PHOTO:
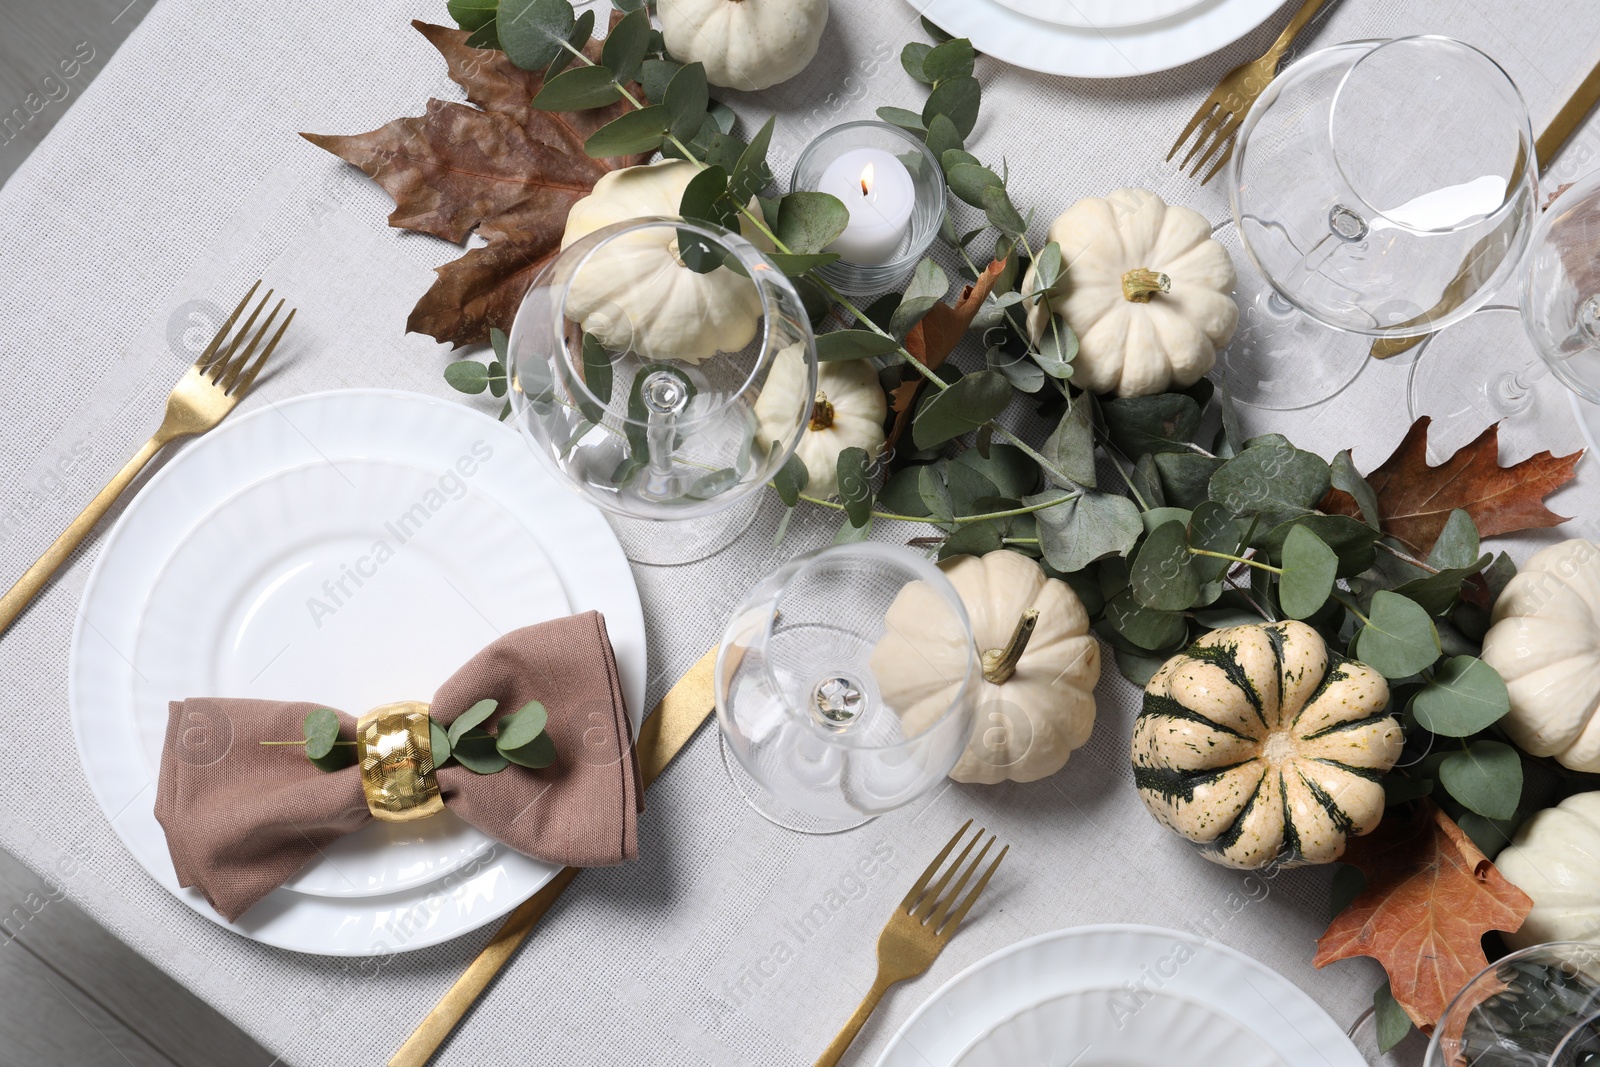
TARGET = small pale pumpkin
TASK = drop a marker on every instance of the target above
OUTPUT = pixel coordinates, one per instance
(1040, 666)
(1555, 859)
(744, 44)
(1259, 744)
(847, 411)
(635, 291)
(1545, 642)
(1146, 289)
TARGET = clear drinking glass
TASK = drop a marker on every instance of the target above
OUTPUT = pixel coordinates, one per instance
(1384, 188)
(1539, 1007)
(636, 359)
(845, 686)
(1561, 288)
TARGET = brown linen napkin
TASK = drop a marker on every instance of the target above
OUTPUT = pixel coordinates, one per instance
(241, 818)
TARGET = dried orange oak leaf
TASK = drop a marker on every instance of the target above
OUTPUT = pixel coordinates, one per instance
(496, 166)
(1431, 895)
(934, 337)
(1415, 500)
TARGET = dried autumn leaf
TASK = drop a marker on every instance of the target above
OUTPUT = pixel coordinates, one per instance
(1415, 500)
(934, 337)
(496, 166)
(1430, 897)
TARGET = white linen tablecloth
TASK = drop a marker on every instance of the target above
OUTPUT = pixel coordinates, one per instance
(179, 178)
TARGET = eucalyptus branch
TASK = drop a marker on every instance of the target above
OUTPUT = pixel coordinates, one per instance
(1406, 558)
(1237, 559)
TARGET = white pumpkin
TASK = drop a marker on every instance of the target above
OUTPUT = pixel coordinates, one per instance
(1260, 745)
(634, 292)
(1146, 289)
(1545, 642)
(1555, 859)
(744, 44)
(848, 411)
(1035, 703)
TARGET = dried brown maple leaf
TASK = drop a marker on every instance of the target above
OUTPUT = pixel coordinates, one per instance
(1431, 895)
(1415, 500)
(497, 166)
(934, 337)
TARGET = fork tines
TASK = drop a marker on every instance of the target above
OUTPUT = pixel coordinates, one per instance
(1221, 127)
(931, 904)
(221, 364)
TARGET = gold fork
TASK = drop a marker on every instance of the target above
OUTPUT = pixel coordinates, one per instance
(918, 931)
(1224, 110)
(206, 392)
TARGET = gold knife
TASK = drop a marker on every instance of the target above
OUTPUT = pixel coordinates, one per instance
(681, 712)
(1549, 143)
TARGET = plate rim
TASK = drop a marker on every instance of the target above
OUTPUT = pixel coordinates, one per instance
(498, 856)
(1140, 929)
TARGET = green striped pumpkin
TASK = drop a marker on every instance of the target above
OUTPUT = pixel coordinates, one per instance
(1260, 744)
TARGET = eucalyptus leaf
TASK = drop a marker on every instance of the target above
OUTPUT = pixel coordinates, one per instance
(1146, 628)
(1070, 446)
(952, 59)
(1391, 1020)
(1159, 516)
(438, 744)
(1084, 526)
(1047, 268)
(1347, 478)
(957, 99)
(752, 174)
(472, 14)
(321, 731)
(791, 479)
(485, 36)
(1214, 528)
(1490, 835)
(855, 486)
(808, 222)
(687, 96)
(532, 32)
(973, 539)
(961, 408)
(1274, 481)
(1185, 476)
(850, 534)
(927, 287)
(932, 30)
(906, 120)
(596, 378)
(1136, 667)
(470, 719)
(1309, 567)
(1002, 213)
(1161, 423)
(633, 132)
(1057, 349)
(968, 181)
(705, 199)
(476, 751)
(1438, 593)
(522, 726)
(1350, 539)
(853, 344)
(1162, 574)
(1457, 545)
(655, 75)
(1024, 374)
(911, 57)
(796, 266)
(467, 376)
(934, 493)
(535, 755)
(1008, 470)
(1485, 778)
(942, 136)
(1399, 639)
(626, 45)
(901, 493)
(1464, 696)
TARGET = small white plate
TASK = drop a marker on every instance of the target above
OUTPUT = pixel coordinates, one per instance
(1119, 1028)
(1097, 50)
(1100, 14)
(1141, 960)
(206, 584)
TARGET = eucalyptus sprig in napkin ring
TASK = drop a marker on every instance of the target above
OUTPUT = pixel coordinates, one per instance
(241, 819)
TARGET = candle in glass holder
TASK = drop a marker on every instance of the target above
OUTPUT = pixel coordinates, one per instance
(877, 191)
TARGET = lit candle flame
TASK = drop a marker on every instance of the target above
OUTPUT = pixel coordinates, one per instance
(866, 180)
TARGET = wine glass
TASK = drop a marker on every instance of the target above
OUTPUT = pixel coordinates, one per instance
(845, 686)
(635, 361)
(1539, 1007)
(1384, 189)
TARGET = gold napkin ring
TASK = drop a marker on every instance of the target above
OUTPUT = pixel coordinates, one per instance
(394, 749)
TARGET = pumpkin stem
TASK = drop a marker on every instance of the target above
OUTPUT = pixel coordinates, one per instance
(821, 412)
(999, 664)
(1140, 284)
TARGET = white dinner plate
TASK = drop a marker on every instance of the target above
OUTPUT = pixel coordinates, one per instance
(1143, 964)
(1000, 29)
(1117, 1028)
(351, 548)
(1100, 14)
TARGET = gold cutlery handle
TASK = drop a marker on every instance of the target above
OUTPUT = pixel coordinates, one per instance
(1307, 12)
(842, 1041)
(34, 579)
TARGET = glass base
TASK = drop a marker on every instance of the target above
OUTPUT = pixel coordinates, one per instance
(676, 542)
(1484, 370)
(774, 810)
(1280, 358)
